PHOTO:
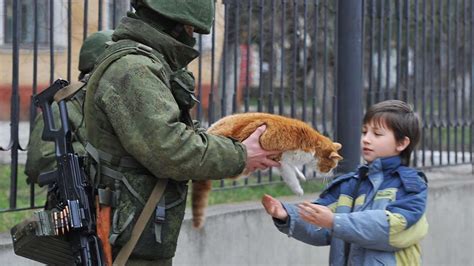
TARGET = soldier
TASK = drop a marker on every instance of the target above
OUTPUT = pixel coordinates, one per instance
(40, 156)
(138, 123)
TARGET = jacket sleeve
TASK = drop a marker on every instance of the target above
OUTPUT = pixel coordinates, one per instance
(400, 225)
(301, 230)
(145, 118)
(308, 233)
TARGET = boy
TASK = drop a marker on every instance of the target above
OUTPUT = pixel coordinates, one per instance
(386, 221)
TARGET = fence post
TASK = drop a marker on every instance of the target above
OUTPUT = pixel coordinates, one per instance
(349, 82)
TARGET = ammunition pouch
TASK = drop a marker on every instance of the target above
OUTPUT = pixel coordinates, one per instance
(34, 238)
(182, 87)
(130, 190)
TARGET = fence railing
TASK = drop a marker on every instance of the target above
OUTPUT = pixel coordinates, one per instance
(277, 56)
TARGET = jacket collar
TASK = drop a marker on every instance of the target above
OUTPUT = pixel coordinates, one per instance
(386, 165)
(176, 54)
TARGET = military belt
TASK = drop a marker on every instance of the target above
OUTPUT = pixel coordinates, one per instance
(128, 162)
(119, 176)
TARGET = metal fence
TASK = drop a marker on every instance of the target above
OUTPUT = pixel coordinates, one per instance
(293, 58)
(421, 52)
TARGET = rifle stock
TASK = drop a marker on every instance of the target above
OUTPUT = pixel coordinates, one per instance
(103, 229)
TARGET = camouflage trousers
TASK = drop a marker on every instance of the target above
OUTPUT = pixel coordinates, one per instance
(148, 251)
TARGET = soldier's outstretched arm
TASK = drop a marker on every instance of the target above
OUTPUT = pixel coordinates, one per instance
(145, 117)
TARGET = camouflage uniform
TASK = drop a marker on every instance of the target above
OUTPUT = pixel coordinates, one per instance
(40, 156)
(137, 109)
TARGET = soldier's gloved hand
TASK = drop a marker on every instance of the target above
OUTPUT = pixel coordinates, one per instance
(257, 158)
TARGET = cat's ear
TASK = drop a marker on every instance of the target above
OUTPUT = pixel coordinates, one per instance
(337, 145)
(335, 156)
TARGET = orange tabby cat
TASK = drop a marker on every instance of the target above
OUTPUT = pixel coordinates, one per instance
(300, 145)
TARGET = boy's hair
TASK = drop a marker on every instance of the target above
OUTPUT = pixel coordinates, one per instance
(401, 119)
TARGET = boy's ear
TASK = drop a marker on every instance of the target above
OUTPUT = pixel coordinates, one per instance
(403, 144)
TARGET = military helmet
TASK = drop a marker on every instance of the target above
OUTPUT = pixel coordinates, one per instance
(92, 48)
(196, 13)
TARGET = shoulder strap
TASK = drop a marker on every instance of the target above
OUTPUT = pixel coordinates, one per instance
(69, 91)
(145, 215)
(121, 48)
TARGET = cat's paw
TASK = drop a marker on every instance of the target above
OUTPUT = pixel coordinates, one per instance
(299, 174)
(289, 175)
(298, 191)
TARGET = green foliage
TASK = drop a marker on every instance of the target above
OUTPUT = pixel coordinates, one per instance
(255, 193)
(9, 219)
(230, 191)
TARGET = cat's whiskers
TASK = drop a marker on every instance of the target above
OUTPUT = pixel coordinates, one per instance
(325, 176)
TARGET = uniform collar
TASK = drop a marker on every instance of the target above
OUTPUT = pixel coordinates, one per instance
(176, 54)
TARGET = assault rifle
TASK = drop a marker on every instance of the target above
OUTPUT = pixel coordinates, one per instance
(70, 227)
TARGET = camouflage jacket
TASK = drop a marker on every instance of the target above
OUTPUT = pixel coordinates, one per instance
(130, 111)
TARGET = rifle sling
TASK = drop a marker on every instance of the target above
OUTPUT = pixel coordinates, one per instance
(67, 92)
(145, 215)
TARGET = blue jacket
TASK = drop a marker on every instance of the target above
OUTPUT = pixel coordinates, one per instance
(387, 222)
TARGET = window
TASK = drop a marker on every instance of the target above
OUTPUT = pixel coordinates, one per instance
(26, 22)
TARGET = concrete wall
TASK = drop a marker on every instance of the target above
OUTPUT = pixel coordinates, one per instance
(451, 216)
(242, 234)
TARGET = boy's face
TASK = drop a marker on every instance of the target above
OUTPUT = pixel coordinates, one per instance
(378, 141)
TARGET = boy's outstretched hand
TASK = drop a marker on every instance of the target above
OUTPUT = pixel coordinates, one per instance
(274, 207)
(316, 214)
